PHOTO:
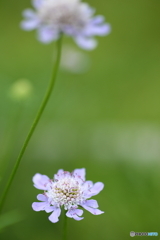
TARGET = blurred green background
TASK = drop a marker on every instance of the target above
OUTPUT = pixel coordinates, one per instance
(104, 116)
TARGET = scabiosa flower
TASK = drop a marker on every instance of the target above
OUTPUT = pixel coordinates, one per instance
(71, 17)
(69, 190)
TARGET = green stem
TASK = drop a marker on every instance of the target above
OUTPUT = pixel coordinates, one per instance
(65, 226)
(41, 109)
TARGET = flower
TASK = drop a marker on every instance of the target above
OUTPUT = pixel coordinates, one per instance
(74, 61)
(71, 17)
(21, 89)
(69, 190)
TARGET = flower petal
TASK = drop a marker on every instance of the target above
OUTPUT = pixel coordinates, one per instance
(39, 206)
(100, 30)
(37, 3)
(54, 216)
(69, 30)
(75, 213)
(31, 22)
(79, 212)
(42, 197)
(29, 13)
(49, 209)
(80, 173)
(60, 171)
(86, 9)
(97, 187)
(77, 218)
(46, 34)
(29, 25)
(94, 211)
(91, 203)
(59, 174)
(40, 181)
(87, 185)
(98, 19)
(85, 42)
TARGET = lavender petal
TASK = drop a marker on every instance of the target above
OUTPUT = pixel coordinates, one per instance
(39, 206)
(54, 216)
(29, 25)
(42, 197)
(75, 213)
(46, 34)
(80, 173)
(98, 19)
(40, 181)
(85, 42)
(94, 211)
(100, 30)
(37, 3)
(91, 203)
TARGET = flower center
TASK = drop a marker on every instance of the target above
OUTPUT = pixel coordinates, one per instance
(64, 12)
(66, 191)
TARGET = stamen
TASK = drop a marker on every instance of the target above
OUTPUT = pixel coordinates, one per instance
(65, 191)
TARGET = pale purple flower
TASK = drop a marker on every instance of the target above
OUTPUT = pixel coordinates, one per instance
(71, 17)
(68, 190)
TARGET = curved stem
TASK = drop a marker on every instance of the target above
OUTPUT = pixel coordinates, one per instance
(65, 226)
(41, 109)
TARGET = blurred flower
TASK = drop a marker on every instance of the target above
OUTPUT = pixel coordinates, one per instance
(74, 61)
(71, 17)
(69, 190)
(21, 89)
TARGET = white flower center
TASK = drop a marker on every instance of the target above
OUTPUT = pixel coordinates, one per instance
(60, 13)
(66, 191)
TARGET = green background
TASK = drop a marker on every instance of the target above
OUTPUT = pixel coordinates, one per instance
(106, 119)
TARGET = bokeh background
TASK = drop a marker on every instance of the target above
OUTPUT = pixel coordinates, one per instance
(104, 115)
